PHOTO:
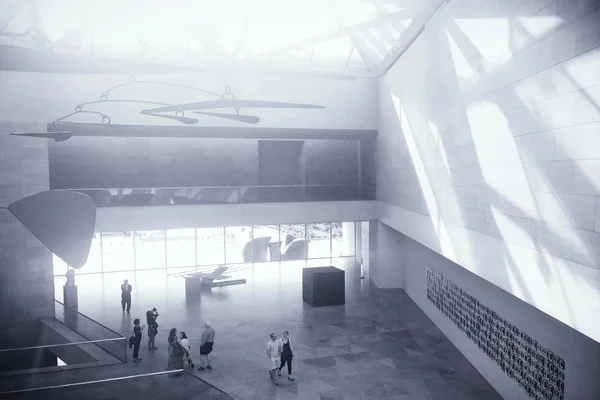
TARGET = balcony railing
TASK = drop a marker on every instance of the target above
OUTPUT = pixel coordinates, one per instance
(121, 197)
(57, 357)
(105, 338)
(163, 386)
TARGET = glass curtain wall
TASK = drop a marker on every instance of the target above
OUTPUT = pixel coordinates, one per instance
(342, 239)
(150, 250)
(117, 251)
(293, 242)
(267, 243)
(181, 250)
(210, 246)
(319, 240)
(204, 249)
(239, 251)
(94, 262)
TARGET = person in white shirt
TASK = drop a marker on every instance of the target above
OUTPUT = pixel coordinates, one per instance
(185, 343)
(206, 345)
(274, 354)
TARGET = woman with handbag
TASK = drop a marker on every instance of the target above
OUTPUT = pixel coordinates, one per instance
(175, 352)
(185, 343)
(136, 339)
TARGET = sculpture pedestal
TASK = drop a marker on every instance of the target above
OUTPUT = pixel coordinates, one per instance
(323, 286)
(193, 285)
(70, 296)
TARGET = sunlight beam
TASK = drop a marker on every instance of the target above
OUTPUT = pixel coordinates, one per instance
(425, 184)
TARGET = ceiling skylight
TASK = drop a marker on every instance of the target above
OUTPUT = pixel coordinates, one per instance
(335, 36)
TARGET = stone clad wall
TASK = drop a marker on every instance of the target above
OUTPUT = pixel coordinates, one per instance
(26, 282)
(488, 149)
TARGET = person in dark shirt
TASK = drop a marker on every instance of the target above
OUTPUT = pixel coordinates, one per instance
(151, 316)
(126, 295)
(286, 354)
(137, 335)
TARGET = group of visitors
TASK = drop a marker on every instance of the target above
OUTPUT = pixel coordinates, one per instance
(279, 351)
(179, 344)
(180, 348)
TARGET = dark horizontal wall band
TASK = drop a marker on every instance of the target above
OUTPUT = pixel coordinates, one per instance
(538, 370)
(158, 131)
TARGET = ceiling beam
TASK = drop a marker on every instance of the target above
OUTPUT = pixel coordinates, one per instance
(85, 28)
(365, 53)
(408, 38)
(381, 10)
(10, 12)
(345, 31)
(402, 3)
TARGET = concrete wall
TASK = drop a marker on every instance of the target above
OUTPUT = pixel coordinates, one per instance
(580, 353)
(488, 149)
(26, 281)
(363, 246)
(386, 270)
(35, 97)
(118, 219)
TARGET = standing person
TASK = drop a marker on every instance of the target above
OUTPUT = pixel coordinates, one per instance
(137, 339)
(206, 345)
(175, 352)
(126, 295)
(286, 354)
(151, 317)
(185, 343)
(274, 354)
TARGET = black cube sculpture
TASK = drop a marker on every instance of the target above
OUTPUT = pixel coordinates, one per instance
(323, 286)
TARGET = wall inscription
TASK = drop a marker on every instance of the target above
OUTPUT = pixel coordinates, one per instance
(538, 371)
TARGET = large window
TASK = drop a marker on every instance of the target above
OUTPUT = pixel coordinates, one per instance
(150, 250)
(117, 250)
(94, 261)
(293, 242)
(266, 235)
(197, 249)
(239, 245)
(342, 239)
(319, 240)
(210, 245)
(181, 248)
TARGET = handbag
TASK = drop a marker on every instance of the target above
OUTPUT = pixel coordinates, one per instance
(177, 349)
(132, 340)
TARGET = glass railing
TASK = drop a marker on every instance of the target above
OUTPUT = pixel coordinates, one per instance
(57, 357)
(161, 385)
(105, 338)
(122, 197)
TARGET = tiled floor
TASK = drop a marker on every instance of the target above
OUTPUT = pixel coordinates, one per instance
(379, 345)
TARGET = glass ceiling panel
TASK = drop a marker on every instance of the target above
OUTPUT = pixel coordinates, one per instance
(333, 53)
(295, 59)
(356, 63)
(278, 34)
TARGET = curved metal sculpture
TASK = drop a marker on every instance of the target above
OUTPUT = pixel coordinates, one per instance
(225, 100)
(62, 220)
